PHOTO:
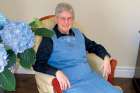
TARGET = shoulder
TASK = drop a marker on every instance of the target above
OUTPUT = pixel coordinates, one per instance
(76, 30)
(46, 41)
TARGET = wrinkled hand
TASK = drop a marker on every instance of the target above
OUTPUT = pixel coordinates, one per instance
(106, 67)
(63, 80)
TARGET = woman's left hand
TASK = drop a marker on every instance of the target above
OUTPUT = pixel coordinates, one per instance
(106, 67)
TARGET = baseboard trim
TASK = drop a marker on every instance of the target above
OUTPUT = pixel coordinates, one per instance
(125, 72)
(121, 72)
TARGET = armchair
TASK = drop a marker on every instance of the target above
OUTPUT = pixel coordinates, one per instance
(51, 84)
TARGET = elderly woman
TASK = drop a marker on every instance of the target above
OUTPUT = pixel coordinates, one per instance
(65, 56)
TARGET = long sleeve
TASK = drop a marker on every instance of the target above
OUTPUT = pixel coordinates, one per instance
(42, 57)
(93, 47)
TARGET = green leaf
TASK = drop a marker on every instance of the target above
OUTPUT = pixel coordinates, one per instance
(45, 32)
(36, 23)
(11, 58)
(37, 28)
(27, 58)
(7, 80)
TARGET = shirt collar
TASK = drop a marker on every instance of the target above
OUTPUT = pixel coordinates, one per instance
(59, 34)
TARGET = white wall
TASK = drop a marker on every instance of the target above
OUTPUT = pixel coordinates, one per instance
(113, 23)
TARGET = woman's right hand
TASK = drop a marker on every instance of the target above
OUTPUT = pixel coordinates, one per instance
(63, 80)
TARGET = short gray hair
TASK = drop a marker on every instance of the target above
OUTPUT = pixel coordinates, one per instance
(64, 7)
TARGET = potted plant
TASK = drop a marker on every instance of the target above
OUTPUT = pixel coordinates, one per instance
(16, 43)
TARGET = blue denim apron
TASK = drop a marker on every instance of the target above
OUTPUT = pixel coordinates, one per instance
(69, 55)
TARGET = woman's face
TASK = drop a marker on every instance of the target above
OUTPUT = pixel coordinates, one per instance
(64, 21)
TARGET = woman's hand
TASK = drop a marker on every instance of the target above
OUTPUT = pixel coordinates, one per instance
(106, 67)
(63, 80)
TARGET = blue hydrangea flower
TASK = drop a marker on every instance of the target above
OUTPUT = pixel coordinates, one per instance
(18, 36)
(3, 57)
(3, 20)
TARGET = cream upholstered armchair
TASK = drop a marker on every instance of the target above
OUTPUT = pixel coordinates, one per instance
(49, 84)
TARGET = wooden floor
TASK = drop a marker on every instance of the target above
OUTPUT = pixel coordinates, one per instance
(26, 84)
(126, 84)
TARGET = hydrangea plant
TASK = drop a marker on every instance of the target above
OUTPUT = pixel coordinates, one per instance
(16, 42)
(18, 36)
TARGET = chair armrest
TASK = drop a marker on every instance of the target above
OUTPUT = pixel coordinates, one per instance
(113, 64)
(56, 86)
(44, 82)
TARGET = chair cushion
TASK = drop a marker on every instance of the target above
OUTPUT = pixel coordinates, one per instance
(44, 82)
